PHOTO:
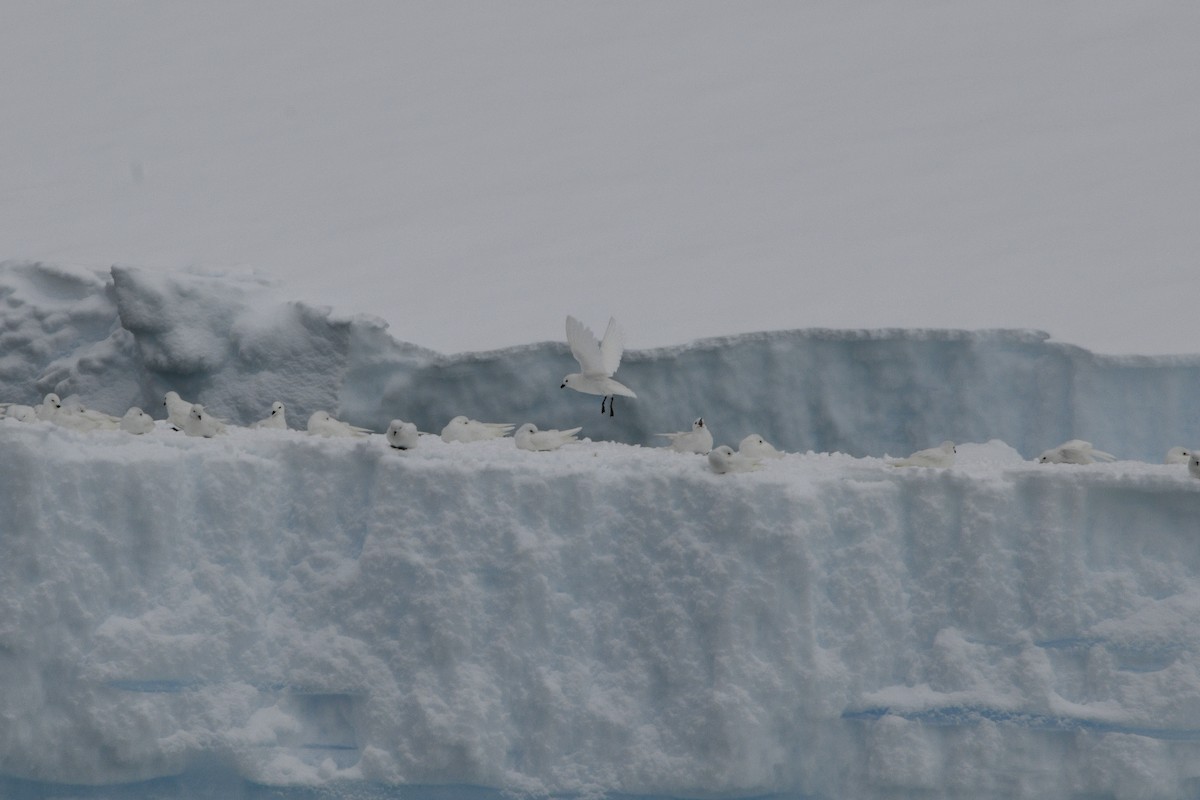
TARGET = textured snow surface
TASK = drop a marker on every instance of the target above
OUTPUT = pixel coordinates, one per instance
(236, 343)
(295, 611)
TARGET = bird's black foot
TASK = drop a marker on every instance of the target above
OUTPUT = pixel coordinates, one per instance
(603, 400)
(611, 400)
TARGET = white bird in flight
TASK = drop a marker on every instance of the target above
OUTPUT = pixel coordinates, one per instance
(697, 440)
(462, 429)
(528, 437)
(598, 362)
(1075, 451)
(940, 456)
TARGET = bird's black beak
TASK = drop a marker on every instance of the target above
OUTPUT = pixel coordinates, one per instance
(563, 386)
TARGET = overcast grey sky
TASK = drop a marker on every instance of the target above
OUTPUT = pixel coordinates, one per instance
(473, 172)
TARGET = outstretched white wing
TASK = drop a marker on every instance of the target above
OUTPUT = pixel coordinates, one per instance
(612, 346)
(585, 348)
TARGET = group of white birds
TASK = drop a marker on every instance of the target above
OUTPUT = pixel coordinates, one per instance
(598, 362)
(1076, 451)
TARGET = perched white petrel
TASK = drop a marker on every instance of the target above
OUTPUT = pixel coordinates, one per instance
(276, 420)
(1075, 451)
(402, 435)
(723, 460)
(528, 437)
(697, 440)
(463, 429)
(940, 456)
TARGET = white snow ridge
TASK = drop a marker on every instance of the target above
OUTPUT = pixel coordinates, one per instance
(268, 612)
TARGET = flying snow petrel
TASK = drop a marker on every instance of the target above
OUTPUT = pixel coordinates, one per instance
(598, 362)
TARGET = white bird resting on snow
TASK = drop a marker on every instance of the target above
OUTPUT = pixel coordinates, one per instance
(137, 421)
(322, 424)
(200, 423)
(276, 420)
(528, 437)
(20, 413)
(73, 415)
(73, 419)
(1075, 451)
(940, 456)
(1178, 455)
(598, 360)
(178, 409)
(722, 460)
(755, 446)
(1194, 466)
(698, 440)
(48, 408)
(462, 429)
(402, 435)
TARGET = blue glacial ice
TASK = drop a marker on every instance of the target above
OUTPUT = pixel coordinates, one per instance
(268, 614)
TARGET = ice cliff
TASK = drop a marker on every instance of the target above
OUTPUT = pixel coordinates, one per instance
(235, 344)
(289, 611)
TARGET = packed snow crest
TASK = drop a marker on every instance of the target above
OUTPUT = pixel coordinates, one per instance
(236, 345)
(271, 612)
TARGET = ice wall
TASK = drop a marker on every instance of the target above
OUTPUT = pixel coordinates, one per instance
(236, 344)
(300, 612)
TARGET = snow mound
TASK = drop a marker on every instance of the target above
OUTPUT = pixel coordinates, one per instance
(230, 342)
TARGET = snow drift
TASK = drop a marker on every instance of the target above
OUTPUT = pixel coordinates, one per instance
(236, 345)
